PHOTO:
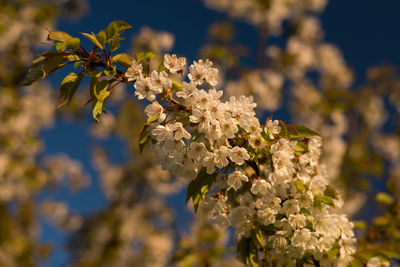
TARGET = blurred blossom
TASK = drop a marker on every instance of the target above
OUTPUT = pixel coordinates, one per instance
(58, 213)
(269, 14)
(264, 85)
(154, 41)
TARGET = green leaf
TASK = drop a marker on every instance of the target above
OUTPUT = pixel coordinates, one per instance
(116, 28)
(161, 67)
(331, 192)
(72, 44)
(300, 148)
(285, 131)
(60, 46)
(391, 254)
(300, 186)
(49, 54)
(111, 72)
(72, 57)
(359, 225)
(265, 136)
(101, 38)
(115, 43)
(199, 187)
(243, 249)
(123, 59)
(253, 255)
(318, 200)
(93, 39)
(381, 221)
(384, 198)
(144, 139)
(144, 56)
(152, 119)
(257, 237)
(357, 263)
(68, 88)
(332, 253)
(42, 67)
(59, 36)
(99, 93)
(328, 201)
(51, 65)
(298, 131)
(35, 73)
(176, 85)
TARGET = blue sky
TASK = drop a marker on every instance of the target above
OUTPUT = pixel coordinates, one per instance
(365, 31)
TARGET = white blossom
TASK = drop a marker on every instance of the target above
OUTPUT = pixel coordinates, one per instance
(235, 179)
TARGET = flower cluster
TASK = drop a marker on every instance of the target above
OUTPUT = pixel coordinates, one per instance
(266, 179)
(269, 14)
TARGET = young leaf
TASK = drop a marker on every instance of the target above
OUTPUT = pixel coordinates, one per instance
(93, 39)
(151, 119)
(34, 74)
(51, 64)
(59, 36)
(123, 59)
(300, 186)
(60, 46)
(101, 38)
(253, 255)
(243, 249)
(384, 198)
(99, 93)
(198, 188)
(326, 200)
(144, 138)
(161, 67)
(144, 56)
(116, 28)
(257, 237)
(72, 44)
(115, 43)
(42, 67)
(330, 192)
(298, 131)
(285, 131)
(176, 85)
(265, 136)
(356, 263)
(68, 88)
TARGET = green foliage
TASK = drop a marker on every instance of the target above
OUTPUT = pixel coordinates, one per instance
(243, 249)
(43, 66)
(257, 237)
(144, 138)
(330, 192)
(59, 36)
(92, 37)
(64, 40)
(50, 61)
(199, 187)
(300, 186)
(248, 251)
(161, 67)
(143, 56)
(123, 59)
(384, 198)
(298, 131)
(98, 93)
(319, 200)
(116, 28)
(68, 88)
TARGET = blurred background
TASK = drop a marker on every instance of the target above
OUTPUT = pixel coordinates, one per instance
(76, 194)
